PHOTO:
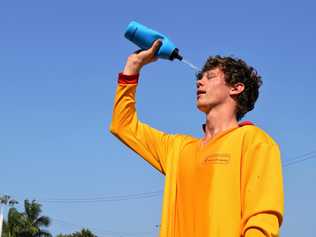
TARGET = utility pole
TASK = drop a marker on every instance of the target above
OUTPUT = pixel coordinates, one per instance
(156, 226)
(4, 201)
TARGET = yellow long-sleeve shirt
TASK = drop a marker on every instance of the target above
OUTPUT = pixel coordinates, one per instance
(230, 187)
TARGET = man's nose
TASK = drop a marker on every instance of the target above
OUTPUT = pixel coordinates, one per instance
(199, 83)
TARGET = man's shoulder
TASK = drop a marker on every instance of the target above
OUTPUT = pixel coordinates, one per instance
(253, 134)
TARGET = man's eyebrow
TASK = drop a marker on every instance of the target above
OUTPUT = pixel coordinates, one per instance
(211, 74)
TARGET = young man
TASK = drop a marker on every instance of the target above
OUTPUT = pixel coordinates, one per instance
(227, 184)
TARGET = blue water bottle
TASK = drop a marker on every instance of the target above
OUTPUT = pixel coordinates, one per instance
(145, 37)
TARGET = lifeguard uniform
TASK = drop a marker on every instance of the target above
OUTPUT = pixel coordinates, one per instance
(230, 187)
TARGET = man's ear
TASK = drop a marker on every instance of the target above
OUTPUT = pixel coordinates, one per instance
(237, 88)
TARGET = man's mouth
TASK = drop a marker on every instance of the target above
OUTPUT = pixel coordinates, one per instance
(200, 92)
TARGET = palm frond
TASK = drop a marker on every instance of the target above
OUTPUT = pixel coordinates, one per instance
(42, 221)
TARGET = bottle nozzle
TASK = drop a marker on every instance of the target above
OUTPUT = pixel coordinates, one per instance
(175, 54)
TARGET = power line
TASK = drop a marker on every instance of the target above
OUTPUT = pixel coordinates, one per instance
(115, 198)
(144, 195)
(301, 158)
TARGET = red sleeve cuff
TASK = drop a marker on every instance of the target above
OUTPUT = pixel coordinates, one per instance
(127, 79)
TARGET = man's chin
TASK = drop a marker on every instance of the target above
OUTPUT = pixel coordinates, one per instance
(201, 107)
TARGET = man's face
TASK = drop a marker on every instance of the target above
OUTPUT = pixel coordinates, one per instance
(212, 90)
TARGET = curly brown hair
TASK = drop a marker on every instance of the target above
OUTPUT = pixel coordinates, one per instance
(236, 70)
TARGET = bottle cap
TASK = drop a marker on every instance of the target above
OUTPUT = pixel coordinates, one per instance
(175, 54)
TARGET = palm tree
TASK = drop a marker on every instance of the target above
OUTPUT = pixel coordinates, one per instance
(28, 223)
(82, 233)
(86, 233)
(13, 226)
(33, 222)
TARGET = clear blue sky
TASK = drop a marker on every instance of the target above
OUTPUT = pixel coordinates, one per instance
(58, 66)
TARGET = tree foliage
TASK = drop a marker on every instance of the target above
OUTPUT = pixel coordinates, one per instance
(82, 233)
(29, 223)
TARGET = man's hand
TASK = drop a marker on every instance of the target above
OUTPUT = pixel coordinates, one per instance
(137, 60)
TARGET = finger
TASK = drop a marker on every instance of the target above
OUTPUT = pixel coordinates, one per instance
(155, 46)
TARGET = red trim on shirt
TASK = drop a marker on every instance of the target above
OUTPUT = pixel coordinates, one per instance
(244, 123)
(127, 79)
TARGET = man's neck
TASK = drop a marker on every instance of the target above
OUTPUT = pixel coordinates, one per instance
(219, 120)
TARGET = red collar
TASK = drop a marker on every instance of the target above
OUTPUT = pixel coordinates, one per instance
(241, 124)
(244, 123)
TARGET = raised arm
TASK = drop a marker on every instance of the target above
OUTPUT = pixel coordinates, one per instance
(151, 144)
